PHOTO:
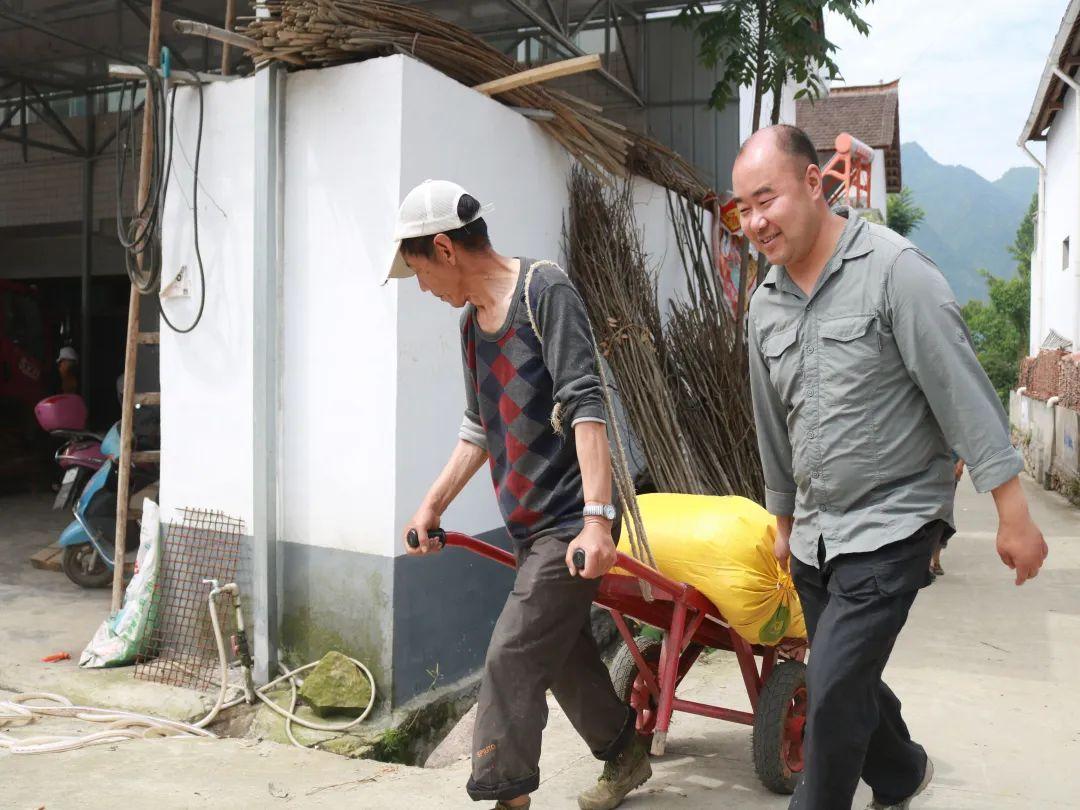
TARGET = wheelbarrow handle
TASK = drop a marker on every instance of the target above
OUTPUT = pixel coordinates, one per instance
(413, 538)
(579, 559)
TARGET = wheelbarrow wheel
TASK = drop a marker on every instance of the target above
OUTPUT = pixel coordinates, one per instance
(631, 688)
(778, 728)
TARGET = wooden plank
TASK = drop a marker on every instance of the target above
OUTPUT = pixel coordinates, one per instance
(149, 338)
(148, 398)
(127, 410)
(555, 70)
(146, 457)
(48, 559)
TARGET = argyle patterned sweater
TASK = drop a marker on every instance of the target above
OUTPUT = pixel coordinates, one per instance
(512, 382)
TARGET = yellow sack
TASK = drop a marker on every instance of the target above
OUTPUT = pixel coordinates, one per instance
(723, 546)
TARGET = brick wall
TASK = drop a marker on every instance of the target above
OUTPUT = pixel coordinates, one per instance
(47, 188)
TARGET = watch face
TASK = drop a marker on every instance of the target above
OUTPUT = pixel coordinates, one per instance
(609, 511)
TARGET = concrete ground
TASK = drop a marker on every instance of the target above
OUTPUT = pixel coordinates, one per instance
(987, 673)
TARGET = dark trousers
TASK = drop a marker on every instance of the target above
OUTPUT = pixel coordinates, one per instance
(855, 608)
(543, 640)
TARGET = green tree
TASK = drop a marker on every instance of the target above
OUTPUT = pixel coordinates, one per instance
(999, 327)
(764, 43)
(901, 212)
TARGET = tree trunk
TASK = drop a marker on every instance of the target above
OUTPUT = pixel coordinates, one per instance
(759, 76)
(777, 92)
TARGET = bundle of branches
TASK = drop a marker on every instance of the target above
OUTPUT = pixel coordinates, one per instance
(708, 368)
(328, 32)
(609, 268)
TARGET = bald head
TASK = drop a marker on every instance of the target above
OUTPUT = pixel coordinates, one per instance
(778, 190)
(786, 140)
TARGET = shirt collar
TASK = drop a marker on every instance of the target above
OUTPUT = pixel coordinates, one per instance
(854, 242)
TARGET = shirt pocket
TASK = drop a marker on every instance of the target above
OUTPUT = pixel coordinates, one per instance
(850, 352)
(782, 358)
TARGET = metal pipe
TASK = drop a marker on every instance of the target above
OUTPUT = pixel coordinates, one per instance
(269, 153)
(85, 359)
(1038, 260)
(1074, 242)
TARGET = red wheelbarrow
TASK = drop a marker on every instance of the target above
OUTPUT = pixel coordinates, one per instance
(646, 673)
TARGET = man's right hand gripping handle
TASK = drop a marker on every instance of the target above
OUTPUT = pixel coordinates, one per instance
(423, 541)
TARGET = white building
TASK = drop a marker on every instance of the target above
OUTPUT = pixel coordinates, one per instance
(1055, 120)
(320, 416)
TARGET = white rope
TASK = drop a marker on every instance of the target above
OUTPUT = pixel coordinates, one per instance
(123, 725)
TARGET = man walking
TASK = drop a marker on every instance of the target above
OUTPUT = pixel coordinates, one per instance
(863, 378)
(527, 347)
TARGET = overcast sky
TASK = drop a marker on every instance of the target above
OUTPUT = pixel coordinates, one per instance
(968, 71)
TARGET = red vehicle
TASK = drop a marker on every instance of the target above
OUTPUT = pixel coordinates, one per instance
(646, 673)
(25, 350)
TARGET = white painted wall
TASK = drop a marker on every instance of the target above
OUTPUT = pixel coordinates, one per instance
(505, 159)
(502, 158)
(343, 159)
(1060, 304)
(746, 109)
(878, 194)
(206, 376)
(371, 375)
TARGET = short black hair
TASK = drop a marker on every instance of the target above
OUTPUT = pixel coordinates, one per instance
(796, 143)
(792, 141)
(473, 236)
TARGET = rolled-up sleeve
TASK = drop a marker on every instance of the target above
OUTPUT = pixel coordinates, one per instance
(935, 344)
(569, 354)
(770, 419)
(472, 429)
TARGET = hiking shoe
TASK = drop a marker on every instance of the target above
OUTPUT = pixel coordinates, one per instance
(629, 770)
(906, 803)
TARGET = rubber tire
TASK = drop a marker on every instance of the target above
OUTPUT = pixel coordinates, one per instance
(624, 668)
(100, 577)
(772, 710)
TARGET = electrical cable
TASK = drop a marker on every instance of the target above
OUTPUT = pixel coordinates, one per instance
(194, 209)
(141, 234)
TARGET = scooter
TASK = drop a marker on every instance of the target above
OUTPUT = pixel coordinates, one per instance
(88, 541)
(81, 456)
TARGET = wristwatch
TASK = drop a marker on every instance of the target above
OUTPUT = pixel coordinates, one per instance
(604, 510)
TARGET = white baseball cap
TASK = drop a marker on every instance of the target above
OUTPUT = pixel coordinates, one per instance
(430, 208)
(68, 353)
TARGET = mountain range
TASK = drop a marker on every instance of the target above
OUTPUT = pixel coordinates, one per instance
(970, 221)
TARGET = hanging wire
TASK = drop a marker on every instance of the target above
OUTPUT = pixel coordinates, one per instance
(140, 235)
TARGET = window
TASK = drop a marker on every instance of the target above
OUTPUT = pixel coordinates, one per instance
(1065, 254)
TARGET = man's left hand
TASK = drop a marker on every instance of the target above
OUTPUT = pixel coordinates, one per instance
(595, 540)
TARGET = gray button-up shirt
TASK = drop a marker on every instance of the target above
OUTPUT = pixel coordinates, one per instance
(860, 390)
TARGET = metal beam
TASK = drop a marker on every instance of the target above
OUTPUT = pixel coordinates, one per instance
(53, 120)
(269, 203)
(586, 19)
(11, 115)
(626, 52)
(85, 359)
(570, 46)
(554, 15)
(28, 142)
